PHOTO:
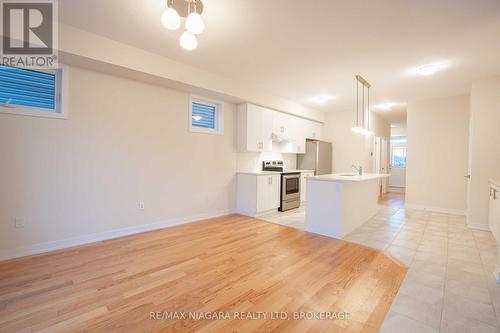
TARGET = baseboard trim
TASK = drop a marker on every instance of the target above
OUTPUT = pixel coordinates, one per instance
(395, 189)
(436, 209)
(478, 226)
(101, 236)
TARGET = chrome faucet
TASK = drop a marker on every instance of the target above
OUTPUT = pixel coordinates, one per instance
(359, 170)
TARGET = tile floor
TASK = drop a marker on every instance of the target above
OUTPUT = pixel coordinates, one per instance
(294, 218)
(449, 286)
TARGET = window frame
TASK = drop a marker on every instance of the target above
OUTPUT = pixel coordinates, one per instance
(219, 115)
(61, 99)
(405, 156)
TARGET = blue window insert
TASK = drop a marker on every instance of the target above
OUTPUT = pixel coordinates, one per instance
(27, 88)
(203, 115)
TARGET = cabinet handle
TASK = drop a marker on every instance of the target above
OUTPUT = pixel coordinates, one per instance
(495, 194)
(282, 129)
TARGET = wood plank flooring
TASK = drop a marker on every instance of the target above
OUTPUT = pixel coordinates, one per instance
(234, 265)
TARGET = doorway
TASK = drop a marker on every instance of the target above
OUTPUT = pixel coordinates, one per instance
(380, 163)
(398, 148)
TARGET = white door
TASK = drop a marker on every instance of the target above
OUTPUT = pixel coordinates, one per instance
(397, 180)
(468, 175)
(384, 163)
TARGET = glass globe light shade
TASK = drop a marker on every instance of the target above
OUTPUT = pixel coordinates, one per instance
(170, 19)
(188, 41)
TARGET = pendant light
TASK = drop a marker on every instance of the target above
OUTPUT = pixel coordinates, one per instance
(363, 126)
(170, 19)
(189, 10)
(194, 22)
(188, 41)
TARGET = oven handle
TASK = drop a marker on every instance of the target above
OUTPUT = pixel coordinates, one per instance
(291, 176)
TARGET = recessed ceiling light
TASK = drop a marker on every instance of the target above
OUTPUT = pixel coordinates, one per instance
(322, 99)
(429, 69)
(384, 106)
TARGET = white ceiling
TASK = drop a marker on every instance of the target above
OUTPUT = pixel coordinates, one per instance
(300, 49)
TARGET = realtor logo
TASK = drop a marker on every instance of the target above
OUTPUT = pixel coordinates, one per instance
(29, 33)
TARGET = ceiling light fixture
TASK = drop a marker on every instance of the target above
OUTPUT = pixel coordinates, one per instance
(170, 18)
(190, 10)
(429, 69)
(188, 41)
(322, 99)
(194, 22)
(384, 106)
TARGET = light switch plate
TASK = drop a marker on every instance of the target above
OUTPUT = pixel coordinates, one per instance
(20, 222)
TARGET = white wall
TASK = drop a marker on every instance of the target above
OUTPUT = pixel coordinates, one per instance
(398, 131)
(252, 162)
(350, 148)
(438, 132)
(124, 142)
(485, 146)
(83, 48)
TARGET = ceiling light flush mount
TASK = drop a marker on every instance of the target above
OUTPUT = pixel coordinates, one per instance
(191, 11)
(384, 106)
(362, 107)
(322, 99)
(429, 69)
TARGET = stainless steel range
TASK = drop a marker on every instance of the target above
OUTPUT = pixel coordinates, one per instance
(290, 185)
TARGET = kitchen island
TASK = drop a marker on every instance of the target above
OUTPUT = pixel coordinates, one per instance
(339, 203)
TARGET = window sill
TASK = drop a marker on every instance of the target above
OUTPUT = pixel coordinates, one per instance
(205, 130)
(32, 112)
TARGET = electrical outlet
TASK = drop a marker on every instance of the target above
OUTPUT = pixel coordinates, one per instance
(141, 205)
(20, 222)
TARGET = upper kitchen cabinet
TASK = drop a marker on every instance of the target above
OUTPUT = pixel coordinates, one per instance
(313, 130)
(283, 125)
(259, 128)
(255, 128)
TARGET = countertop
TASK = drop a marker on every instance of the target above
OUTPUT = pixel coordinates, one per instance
(495, 182)
(259, 173)
(337, 177)
(263, 173)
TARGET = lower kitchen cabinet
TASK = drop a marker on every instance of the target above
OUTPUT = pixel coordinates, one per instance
(257, 193)
(303, 183)
(494, 212)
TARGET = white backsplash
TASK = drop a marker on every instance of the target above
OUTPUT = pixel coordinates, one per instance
(252, 162)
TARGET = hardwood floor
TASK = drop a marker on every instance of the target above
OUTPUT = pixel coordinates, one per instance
(234, 264)
(392, 199)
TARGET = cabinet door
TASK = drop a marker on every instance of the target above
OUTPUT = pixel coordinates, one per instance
(267, 130)
(280, 124)
(303, 185)
(314, 130)
(258, 125)
(275, 191)
(253, 128)
(494, 212)
(268, 192)
(263, 193)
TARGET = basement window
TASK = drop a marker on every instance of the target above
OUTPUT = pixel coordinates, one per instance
(206, 115)
(31, 92)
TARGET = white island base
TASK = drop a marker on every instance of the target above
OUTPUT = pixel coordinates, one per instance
(338, 204)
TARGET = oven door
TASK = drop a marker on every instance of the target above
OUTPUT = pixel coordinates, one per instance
(291, 187)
